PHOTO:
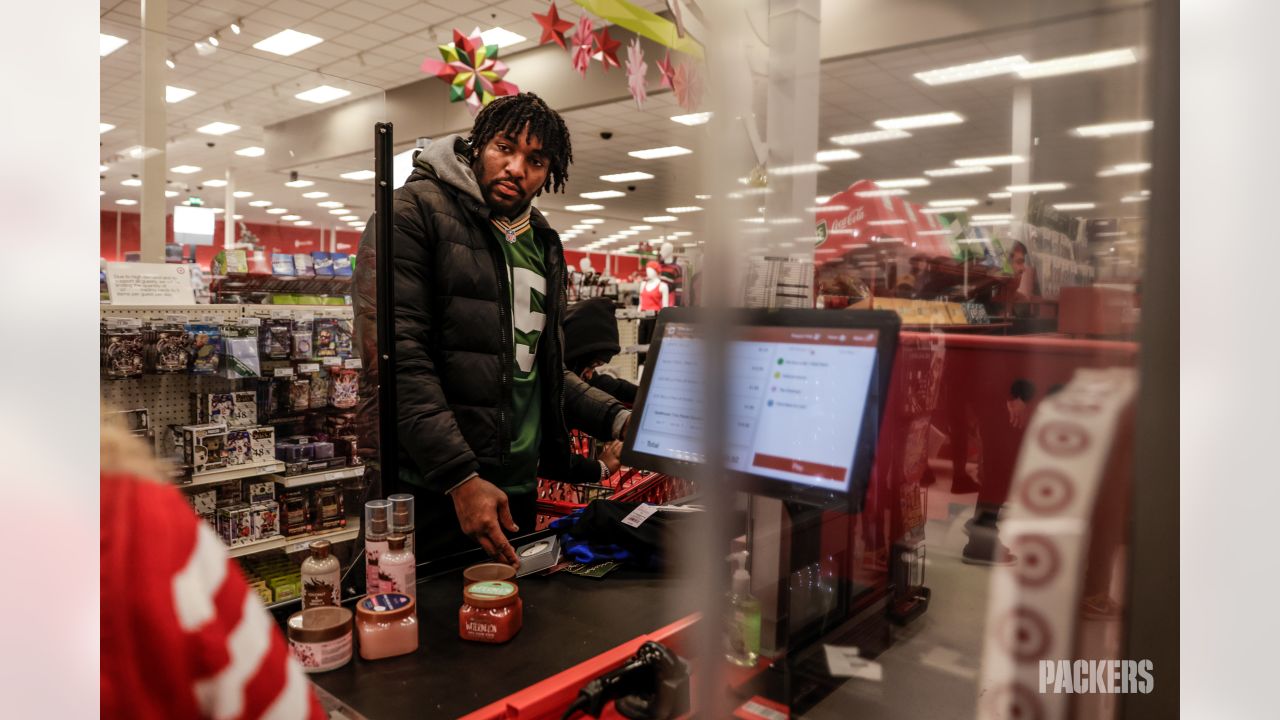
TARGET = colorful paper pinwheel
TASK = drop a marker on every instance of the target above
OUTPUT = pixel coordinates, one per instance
(636, 69)
(608, 49)
(687, 86)
(472, 70)
(553, 28)
(667, 72)
(583, 43)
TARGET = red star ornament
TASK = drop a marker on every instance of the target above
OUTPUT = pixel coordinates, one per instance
(553, 28)
(608, 53)
(667, 72)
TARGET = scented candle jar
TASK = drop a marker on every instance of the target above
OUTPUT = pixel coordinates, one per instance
(388, 625)
(491, 611)
(320, 638)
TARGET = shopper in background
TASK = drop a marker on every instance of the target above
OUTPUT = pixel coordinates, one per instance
(182, 636)
(591, 340)
(484, 398)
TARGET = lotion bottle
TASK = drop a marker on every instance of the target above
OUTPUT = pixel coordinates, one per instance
(396, 568)
(377, 515)
(742, 636)
(321, 577)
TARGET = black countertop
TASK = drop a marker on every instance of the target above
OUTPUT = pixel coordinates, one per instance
(567, 619)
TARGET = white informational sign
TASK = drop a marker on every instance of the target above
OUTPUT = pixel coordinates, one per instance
(131, 283)
(193, 225)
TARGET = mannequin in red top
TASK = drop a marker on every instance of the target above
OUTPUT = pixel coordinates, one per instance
(653, 291)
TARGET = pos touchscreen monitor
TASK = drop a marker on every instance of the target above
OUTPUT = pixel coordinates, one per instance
(804, 393)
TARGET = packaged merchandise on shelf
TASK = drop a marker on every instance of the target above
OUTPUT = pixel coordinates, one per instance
(235, 526)
(295, 511)
(304, 265)
(204, 446)
(122, 349)
(303, 337)
(318, 377)
(326, 337)
(329, 509)
(277, 339)
(241, 349)
(239, 447)
(297, 467)
(344, 390)
(347, 447)
(289, 452)
(262, 444)
(244, 408)
(206, 347)
(230, 262)
(265, 520)
(170, 348)
(299, 395)
(215, 407)
(322, 450)
(205, 503)
(339, 424)
(282, 264)
(260, 491)
(323, 264)
(341, 265)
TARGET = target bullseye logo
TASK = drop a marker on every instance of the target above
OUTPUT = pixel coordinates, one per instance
(1063, 439)
(1077, 404)
(1045, 492)
(1014, 701)
(1038, 560)
(1024, 634)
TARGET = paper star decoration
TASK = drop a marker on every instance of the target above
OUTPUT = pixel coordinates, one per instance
(472, 70)
(687, 86)
(666, 71)
(608, 52)
(636, 69)
(583, 42)
(553, 28)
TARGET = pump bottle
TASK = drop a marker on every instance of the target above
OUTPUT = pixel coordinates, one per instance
(376, 522)
(742, 636)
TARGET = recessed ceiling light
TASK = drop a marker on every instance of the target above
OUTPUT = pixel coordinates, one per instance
(948, 172)
(1075, 206)
(992, 160)
(339, 211)
(892, 192)
(584, 207)
(214, 182)
(291, 217)
(902, 183)
(260, 203)
(1116, 128)
(131, 182)
(322, 94)
(918, 121)
(626, 177)
(641, 228)
(1125, 169)
(593, 221)
(683, 209)
(315, 195)
(303, 223)
(299, 183)
(681, 233)
(627, 233)
(359, 175)
(1134, 198)
(800, 169)
(329, 204)
(957, 202)
(1078, 63)
(185, 169)
(1004, 195)
(582, 226)
(660, 218)
(287, 42)
(108, 44)
(660, 152)
(501, 37)
(171, 193)
(251, 151)
(941, 210)
(349, 218)
(277, 211)
(870, 136)
(887, 222)
(173, 94)
(981, 223)
(971, 71)
(837, 155)
(602, 194)
(105, 128)
(126, 201)
(698, 118)
(996, 216)
(237, 216)
(217, 128)
(102, 168)
(701, 197)
(242, 194)
(1037, 187)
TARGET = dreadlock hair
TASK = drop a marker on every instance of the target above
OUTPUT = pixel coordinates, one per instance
(516, 115)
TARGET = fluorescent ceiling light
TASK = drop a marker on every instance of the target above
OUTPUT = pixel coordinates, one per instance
(126, 201)
(822, 199)
(322, 94)
(698, 118)
(138, 152)
(260, 203)
(996, 216)
(315, 195)
(287, 42)
(954, 202)
(627, 233)
(971, 71)
(582, 226)
(992, 160)
(174, 94)
(291, 217)
(1134, 198)
(1078, 63)
(1000, 195)
(105, 128)
(892, 192)
(185, 169)
(131, 182)
(801, 169)
(501, 37)
(299, 183)
(918, 121)
(584, 207)
(340, 211)
(303, 223)
(837, 155)
(1116, 128)
(349, 218)
(983, 223)
(887, 222)
(870, 136)
(171, 193)
(682, 233)
(359, 175)
(1075, 206)
(701, 197)
(902, 183)
(952, 171)
(251, 151)
(941, 210)
(102, 168)
(602, 194)
(683, 209)
(214, 182)
(1037, 187)
(785, 221)
(660, 152)
(217, 128)
(626, 177)
(1125, 169)
(277, 211)
(593, 221)
(329, 204)
(933, 232)
(660, 218)
(827, 208)
(108, 44)
(641, 228)
(237, 216)
(242, 194)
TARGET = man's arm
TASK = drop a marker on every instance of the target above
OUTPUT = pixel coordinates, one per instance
(621, 390)
(592, 411)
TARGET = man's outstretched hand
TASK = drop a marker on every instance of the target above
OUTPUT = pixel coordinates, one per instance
(483, 513)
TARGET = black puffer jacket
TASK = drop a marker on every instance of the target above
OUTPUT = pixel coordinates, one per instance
(453, 333)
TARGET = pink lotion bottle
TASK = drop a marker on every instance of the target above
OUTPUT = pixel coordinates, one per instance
(377, 514)
(397, 569)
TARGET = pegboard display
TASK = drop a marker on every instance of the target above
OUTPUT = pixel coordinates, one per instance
(624, 365)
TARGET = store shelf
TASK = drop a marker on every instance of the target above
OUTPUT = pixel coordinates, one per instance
(322, 285)
(299, 543)
(238, 472)
(293, 481)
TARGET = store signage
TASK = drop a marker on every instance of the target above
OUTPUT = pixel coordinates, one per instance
(133, 283)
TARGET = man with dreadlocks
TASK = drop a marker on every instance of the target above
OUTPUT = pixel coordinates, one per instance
(484, 398)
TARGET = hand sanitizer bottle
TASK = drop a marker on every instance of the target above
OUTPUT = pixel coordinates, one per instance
(742, 637)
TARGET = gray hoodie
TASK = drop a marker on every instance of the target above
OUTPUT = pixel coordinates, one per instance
(447, 157)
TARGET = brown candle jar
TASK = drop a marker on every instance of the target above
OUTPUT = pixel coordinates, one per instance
(487, 571)
(491, 612)
(320, 638)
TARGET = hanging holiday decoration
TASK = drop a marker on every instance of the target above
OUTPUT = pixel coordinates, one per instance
(583, 44)
(687, 86)
(472, 70)
(636, 69)
(643, 22)
(666, 71)
(608, 49)
(553, 28)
